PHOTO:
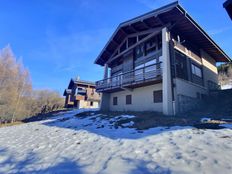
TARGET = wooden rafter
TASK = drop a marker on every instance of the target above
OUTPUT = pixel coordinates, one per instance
(134, 35)
(133, 46)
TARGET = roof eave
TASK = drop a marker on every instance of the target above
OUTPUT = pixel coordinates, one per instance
(203, 32)
(138, 18)
(156, 13)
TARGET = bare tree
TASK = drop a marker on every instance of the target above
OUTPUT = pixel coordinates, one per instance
(17, 98)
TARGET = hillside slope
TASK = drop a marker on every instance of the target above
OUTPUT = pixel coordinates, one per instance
(87, 145)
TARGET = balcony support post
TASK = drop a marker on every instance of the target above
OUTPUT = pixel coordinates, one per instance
(167, 84)
(106, 71)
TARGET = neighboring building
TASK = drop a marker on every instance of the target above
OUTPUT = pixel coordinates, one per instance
(81, 94)
(161, 61)
(228, 6)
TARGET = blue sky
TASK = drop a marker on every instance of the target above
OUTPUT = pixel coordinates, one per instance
(59, 39)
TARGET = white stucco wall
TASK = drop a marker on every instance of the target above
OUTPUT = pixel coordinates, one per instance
(86, 104)
(142, 99)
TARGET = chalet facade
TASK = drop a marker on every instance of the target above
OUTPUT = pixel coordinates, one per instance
(161, 61)
(81, 94)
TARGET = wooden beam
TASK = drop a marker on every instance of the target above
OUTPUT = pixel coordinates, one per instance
(133, 46)
(135, 35)
(116, 43)
(133, 28)
(117, 50)
(108, 52)
(146, 24)
(159, 20)
(144, 32)
(123, 31)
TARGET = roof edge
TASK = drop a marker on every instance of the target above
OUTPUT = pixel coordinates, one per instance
(173, 4)
(203, 31)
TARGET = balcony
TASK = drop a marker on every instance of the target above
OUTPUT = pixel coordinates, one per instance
(147, 75)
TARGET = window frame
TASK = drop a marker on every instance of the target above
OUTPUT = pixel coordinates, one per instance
(159, 98)
(115, 101)
(195, 67)
(128, 99)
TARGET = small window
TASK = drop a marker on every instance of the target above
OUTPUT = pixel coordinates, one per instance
(91, 103)
(115, 101)
(128, 99)
(198, 95)
(158, 96)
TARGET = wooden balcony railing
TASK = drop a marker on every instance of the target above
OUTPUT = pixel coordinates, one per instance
(137, 76)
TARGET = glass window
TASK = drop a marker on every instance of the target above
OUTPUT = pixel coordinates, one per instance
(128, 99)
(181, 65)
(115, 100)
(151, 45)
(139, 51)
(196, 71)
(158, 96)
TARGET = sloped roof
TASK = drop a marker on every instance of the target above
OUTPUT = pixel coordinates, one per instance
(172, 13)
(67, 91)
(228, 6)
(80, 82)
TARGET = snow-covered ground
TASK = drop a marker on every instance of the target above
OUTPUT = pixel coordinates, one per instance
(66, 144)
(228, 86)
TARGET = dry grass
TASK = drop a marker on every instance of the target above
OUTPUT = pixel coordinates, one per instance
(10, 124)
(146, 120)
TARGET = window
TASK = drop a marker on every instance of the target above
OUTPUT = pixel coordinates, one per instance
(158, 96)
(196, 70)
(91, 103)
(197, 74)
(181, 65)
(128, 99)
(151, 45)
(139, 51)
(115, 100)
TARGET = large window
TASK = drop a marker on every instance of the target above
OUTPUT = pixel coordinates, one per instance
(158, 96)
(128, 99)
(181, 65)
(196, 74)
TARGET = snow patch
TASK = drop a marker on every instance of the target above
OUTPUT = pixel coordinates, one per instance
(70, 144)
